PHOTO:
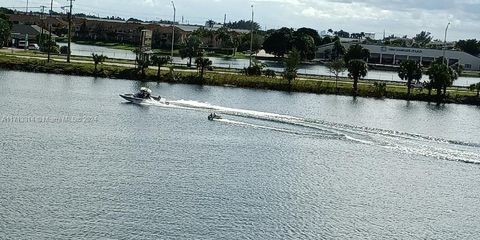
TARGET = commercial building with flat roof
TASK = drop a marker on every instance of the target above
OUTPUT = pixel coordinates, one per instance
(389, 55)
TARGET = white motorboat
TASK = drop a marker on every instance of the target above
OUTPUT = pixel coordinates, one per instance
(144, 96)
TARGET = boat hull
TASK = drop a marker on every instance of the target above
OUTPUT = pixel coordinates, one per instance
(131, 98)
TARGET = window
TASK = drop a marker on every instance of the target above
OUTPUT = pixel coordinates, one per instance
(468, 66)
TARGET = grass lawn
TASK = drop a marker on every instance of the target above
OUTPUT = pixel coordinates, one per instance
(31, 61)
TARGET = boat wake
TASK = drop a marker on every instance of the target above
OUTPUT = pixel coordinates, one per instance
(410, 143)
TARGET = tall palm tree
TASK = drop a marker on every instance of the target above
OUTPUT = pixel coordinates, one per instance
(160, 61)
(202, 64)
(291, 63)
(453, 76)
(356, 52)
(191, 49)
(440, 78)
(143, 63)
(336, 67)
(410, 70)
(357, 69)
(98, 58)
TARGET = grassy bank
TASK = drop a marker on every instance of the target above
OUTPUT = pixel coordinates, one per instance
(470, 74)
(319, 85)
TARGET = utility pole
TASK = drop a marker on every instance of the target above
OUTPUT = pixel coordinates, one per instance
(224, 20)
(26, 9)
(50, 32)
(251, 39)
(69, 31)
(173, 27)
(42, 38)
(445, 44)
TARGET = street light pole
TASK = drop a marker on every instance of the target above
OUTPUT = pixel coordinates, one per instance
(173, 28)
(445, 43)
(69, 31)
(251, 39)
(50, 32)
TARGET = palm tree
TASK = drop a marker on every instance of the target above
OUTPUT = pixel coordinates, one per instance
(210, 23)
(356, 52)
(159, 61)
(475, 87)
(439, 77)
(191, 49)
(291, 63)
(98, 59)
(143, 64)
(224, 36)
(338, 49)
(356, 69)
(410, 70)
(202, 63)
(453, 76)
(336, 67)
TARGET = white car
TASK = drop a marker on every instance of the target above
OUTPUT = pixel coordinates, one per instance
(33, 46)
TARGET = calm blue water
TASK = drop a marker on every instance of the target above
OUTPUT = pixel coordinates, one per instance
(77, 162)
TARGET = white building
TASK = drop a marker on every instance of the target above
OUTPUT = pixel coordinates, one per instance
(389, 55)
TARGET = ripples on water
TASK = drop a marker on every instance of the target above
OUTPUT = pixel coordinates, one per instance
(293, 166)
(439, 148)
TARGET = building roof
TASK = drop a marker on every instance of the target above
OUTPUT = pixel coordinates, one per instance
(188, 28)
(20, 18)
(183, 27)
(192, 28)
(105, 20)
(31, 30)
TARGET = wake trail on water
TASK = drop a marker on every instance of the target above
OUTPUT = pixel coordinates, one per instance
(411, 143)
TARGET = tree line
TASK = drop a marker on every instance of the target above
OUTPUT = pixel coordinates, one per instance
(441, 75)
(5, 28)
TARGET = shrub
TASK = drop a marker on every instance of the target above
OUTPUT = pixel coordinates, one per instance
(379, 89)
(269, 73)
(255, 69)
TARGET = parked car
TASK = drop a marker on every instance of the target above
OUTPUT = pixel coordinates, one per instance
(33, 46)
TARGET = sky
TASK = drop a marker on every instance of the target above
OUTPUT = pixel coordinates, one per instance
(399, 17)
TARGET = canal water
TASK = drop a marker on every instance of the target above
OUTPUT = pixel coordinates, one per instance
(310, 69)
(77, 162)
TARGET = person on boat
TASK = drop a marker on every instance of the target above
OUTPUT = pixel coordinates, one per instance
(213, 116)
(139, 95)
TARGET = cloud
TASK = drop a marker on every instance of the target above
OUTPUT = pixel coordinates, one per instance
(394, 16)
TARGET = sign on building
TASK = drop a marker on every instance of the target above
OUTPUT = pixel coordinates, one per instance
(146, 41)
